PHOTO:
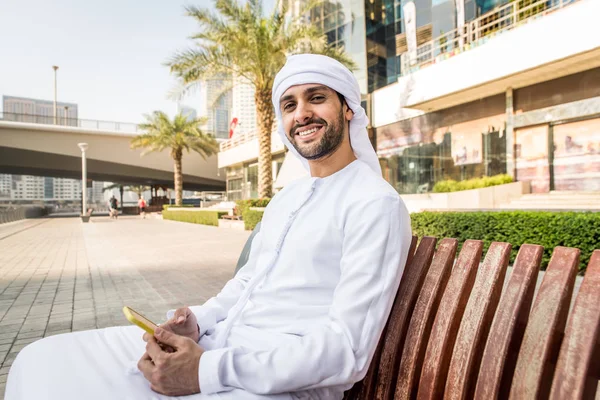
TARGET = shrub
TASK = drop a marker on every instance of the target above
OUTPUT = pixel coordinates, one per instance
(450, 185)
(252, 218)
(244, 205)
(548, 229)
(204, 217)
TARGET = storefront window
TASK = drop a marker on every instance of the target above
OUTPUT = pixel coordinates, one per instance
(532, 157)
(418, 152)
(577, 156)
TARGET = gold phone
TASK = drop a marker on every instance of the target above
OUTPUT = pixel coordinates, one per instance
(138, 319)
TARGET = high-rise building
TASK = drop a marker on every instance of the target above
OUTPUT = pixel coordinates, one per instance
(26, 187)
(343, 23)
(5, 186)
(216, 103)
(243, 105)
(67, 189)
(23, 109)
(97, 192)
(188, 111)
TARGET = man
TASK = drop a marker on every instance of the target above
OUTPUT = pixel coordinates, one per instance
(302, 318)
(113, 203)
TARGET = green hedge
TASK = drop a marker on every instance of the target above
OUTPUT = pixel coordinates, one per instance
(251, 218)
(204, 217)
(548, 229)
(167, 206)
(244, 205)
(475, 183)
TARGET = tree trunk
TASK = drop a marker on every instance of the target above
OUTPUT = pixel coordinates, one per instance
(177, 155)
(265, 117)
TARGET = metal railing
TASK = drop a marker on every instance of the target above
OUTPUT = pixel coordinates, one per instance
(74, 122)
(240, 139)
(236, 140)
(478, 31)
(11, 213)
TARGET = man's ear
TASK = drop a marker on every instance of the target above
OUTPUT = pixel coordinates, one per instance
(348, 113)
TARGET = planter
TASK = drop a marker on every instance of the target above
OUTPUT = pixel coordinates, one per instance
(484, 198)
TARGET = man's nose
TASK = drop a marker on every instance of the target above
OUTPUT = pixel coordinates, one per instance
(303, 113)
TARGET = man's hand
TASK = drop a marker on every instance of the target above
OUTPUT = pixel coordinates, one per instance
(183, 323)
(171, 374)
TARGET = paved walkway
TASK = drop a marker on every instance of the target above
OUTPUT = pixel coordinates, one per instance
(59, 275)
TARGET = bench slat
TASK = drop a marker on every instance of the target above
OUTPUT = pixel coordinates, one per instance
(578, 368)
(476, 321)
(406, 297)
(506, 333)
(422, 319)
(541, 341)
(365, 388)
(447, 321)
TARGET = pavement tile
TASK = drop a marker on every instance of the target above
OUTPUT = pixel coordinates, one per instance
(26, 341)
(30, 334)
(76, 276)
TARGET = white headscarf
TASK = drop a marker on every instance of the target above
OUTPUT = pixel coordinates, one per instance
(312, 68)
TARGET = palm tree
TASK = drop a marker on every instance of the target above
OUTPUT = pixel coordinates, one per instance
(238, 40)
(180, 134)
(138, 189)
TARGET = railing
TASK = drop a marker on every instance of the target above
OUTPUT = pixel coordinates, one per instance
(240, 139)
(237, 140)
(10, 214)
(478, 31)
(74, 122)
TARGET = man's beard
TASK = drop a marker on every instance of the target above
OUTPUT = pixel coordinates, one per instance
(330, 140)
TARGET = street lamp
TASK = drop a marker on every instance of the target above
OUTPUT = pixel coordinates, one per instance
(83, 147)
(55, 67)
(66, 115)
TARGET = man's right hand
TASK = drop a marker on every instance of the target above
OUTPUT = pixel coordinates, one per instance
(183, 323)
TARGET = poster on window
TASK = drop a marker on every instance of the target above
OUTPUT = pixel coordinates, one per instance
(577, 156)
(466, 148)
(532, 157)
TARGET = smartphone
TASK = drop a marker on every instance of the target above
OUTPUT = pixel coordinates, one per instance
(138, 319)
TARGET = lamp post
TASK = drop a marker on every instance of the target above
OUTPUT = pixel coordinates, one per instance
(66, 115)
(83, 147)
(55, 67)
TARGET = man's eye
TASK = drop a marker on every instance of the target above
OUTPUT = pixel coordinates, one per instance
(318, 98)
(288, 106)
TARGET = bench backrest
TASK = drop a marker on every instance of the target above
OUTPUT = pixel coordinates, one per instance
(457, 330)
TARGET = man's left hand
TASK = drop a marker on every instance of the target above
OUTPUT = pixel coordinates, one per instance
(171, 374)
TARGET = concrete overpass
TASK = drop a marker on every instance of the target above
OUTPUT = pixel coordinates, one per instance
(51, 150)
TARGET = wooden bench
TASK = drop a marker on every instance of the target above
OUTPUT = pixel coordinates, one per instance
(457, 330)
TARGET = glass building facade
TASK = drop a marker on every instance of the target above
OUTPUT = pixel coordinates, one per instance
(343, 23)
(471, 140)
(386, 31)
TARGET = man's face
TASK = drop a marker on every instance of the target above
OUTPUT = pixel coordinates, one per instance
(314, 119)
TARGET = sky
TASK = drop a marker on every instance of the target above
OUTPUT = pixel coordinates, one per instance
(110, 53)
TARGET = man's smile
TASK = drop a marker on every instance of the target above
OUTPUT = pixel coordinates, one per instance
(308, 132)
